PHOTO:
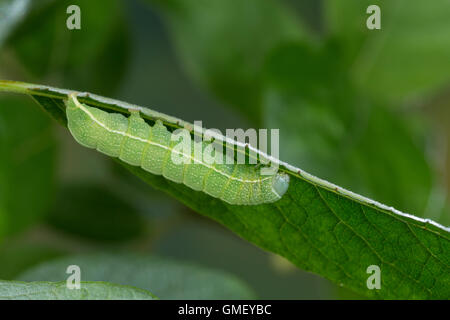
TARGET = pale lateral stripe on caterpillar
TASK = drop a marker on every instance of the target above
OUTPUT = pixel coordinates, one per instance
(137, 143)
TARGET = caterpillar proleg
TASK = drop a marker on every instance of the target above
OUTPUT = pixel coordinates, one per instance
(135, 142)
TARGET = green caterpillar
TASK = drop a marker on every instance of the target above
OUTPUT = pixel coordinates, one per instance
(137, 143)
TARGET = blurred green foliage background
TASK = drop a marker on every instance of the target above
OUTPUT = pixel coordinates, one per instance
(365, 109)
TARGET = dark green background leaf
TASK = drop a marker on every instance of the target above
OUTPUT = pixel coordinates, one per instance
(76, 58)
(94, 212)
(407, 58)
(165, 278)
(213, 40)
(11, 12)
(27, 164)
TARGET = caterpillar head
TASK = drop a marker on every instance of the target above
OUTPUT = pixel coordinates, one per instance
(280, 183)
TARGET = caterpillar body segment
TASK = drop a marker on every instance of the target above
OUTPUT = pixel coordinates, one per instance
(135, 142)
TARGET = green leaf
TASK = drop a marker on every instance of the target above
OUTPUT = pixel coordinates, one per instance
(74, 58)
(11, 12)
(336, 132)
(27, 164)
(16, 290)
(318, 226)
(223, 43)
(92, 211)
(407, 57)
(165, 278)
